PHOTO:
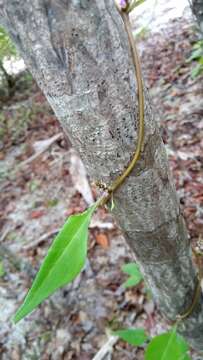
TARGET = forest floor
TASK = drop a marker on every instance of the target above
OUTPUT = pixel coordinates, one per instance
(37, 196)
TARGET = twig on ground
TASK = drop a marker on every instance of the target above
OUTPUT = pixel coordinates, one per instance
(41, 147)
(4, 235)
(106, 348)
(42, 238)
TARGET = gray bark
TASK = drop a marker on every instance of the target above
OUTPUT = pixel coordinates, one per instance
(197, 9)
(77, 50)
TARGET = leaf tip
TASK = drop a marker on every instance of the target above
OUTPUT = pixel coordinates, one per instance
(18, 316)
(15, 319)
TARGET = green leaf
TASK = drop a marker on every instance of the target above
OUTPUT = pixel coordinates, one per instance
(134, 337)
(64, 261)
(131, 269)
(132, 281)
(167, 346)
(135, 275)
(196, 54)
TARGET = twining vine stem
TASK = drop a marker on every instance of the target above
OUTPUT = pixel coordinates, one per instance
(197, 290)
(121, 178)
(124, 9)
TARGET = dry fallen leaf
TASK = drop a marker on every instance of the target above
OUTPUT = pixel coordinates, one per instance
(102, 240)
(36, 214)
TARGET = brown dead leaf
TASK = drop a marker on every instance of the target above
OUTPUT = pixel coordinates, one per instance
(36, 214)
(102, 240)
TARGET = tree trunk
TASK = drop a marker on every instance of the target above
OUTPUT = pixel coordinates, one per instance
(78, 52)
(197, 9)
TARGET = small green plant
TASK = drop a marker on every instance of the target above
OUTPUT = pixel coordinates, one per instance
(167, 346)
(135, 277)
(197, 56)
(135, 337)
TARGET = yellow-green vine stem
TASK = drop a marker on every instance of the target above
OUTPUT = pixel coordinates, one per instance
(120, 179)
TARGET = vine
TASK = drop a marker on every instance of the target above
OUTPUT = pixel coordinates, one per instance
(124, 13)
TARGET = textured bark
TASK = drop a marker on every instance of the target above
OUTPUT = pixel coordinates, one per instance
(197, 9)
(77, 51)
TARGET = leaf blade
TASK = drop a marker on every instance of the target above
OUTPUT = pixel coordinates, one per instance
(133, 270)
(135, 337)
(167, 346)
(131, 282)
(69, 247)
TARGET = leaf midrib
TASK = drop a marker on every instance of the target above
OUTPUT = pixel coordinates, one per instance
(51, 269)
(169, 342)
